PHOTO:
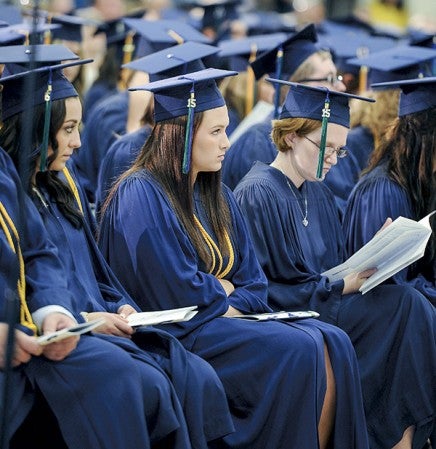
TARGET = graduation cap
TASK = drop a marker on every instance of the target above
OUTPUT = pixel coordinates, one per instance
(417, 94)
(184, 95)
(317, 103)
(9, 36)
(70, 27)
(266, 22)
(400, 62)
(50, 83)
(10, 14)
(216, 13)
(34, 34)
(173, 61)
(242, 51)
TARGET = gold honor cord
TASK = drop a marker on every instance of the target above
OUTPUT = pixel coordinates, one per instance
(73, 187)
(6, 224)
(213, 248)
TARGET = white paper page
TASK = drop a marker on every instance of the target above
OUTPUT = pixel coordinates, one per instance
(162, 316)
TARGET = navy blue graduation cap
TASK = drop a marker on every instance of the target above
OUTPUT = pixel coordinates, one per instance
(266, 22)
(288, 55)
(174, 60)
(9, 36)
(216, 13)
(417, 94)
(34, 34)
(184, 95)
(397, 63)
(242, 51)
(317, 103)
(50, 83)
(70, 27)
(10, 14)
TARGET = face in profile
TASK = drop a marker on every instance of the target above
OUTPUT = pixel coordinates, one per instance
(68, 136)
(210, 142)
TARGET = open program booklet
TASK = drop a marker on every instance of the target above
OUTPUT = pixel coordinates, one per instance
(162, 316)
(287, 316)
(69, 332)
(397, 246)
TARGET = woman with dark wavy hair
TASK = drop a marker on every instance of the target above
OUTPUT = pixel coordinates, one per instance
(401, 181)
(177, 386)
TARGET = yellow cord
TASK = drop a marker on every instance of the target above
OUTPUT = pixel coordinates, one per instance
(6, 224)
(73, 187)
(213, 248)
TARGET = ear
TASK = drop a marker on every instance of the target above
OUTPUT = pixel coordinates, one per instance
(290, 138)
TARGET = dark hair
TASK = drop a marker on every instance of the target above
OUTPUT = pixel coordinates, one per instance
(162, 156)
(11, 142)
(409, 150)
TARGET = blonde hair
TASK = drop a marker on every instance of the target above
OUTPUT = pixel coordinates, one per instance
(299, 126)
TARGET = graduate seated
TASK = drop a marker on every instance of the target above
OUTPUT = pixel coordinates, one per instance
(174, 236)
(297, 235)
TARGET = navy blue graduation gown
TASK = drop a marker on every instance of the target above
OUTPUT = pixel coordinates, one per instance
(343, 176)
(106, 122)
(77, 387)
(270, 370)
(255, 144)
(120, 156)
(375, 198)
(392, 328)
(96, 93)
(96, 288)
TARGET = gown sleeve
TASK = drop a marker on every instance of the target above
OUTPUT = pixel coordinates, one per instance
(373, 200)
(294, 282)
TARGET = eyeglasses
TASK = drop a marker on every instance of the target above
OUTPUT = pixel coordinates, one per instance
(340, 152)
(329, 79)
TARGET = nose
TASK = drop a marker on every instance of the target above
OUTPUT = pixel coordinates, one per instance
(226, 142)
(75, 141)
(332, 157)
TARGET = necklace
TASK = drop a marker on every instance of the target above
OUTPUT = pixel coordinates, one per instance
(305, 221)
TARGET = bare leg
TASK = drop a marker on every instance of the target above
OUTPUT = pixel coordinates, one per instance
(406, 440)
(328, 411)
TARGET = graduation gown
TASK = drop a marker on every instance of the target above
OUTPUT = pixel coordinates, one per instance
(77, 387)
(272, 371)
(120, 156)
(388, 325)
(95, 288)
(253, 145)
(106, 122)
(343, 176)
(375, 198)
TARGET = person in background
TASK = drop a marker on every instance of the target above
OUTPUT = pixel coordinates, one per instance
(400, 180)
(297, 235)
(172, 230)
(95, 289)
(297, 58)
(369, 121)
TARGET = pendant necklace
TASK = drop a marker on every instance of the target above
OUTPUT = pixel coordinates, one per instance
(305, 221)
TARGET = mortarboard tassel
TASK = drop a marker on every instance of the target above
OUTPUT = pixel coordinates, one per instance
(188, 137)
(47, 118)
(324, 123)
(279, 64)
(251, 82)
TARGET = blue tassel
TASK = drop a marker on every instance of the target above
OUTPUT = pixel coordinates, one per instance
(278, 74)
(324, 123)
(47, 118)
(188, 136)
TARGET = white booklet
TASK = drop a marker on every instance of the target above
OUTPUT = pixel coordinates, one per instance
(397, 246)
(69, 332)
(162, 316)
(287, 316)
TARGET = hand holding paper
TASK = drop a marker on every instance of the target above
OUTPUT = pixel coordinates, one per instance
(390, 250)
